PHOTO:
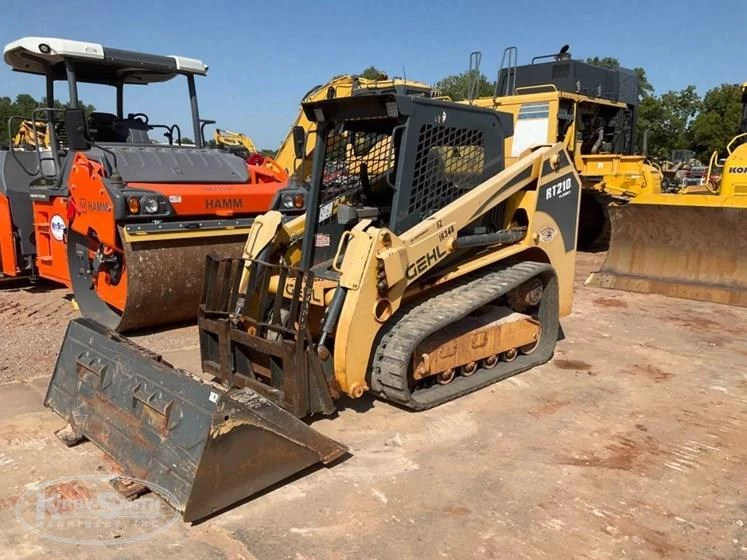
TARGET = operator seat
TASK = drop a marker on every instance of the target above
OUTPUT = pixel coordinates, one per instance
(132, 131)
(101, 127)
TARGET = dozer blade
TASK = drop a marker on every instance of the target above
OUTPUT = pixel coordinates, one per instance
(690, 252)
(203, 447)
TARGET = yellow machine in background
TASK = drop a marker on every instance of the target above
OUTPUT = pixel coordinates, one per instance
(234, 141)
(31, 136)
(690, 244)
(340, 86)
(592, 111)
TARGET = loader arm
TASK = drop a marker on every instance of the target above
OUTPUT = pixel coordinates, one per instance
(438, 236)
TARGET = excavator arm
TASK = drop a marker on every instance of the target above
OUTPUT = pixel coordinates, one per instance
(228, 139)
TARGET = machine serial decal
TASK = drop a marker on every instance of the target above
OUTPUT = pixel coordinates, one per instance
(559, 190)
(425, 262)
(322, 240)
(224, 203)
(445, 234)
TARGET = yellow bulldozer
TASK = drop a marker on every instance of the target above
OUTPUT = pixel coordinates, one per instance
(31, 135)
(592, 111)
(687, 244)
(413, 276)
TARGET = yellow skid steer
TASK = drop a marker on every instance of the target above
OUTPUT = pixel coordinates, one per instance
(422, 270)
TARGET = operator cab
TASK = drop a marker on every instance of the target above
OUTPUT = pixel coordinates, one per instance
(395, 160)
(596, 106)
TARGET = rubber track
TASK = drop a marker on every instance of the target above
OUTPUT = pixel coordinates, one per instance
(412, 324)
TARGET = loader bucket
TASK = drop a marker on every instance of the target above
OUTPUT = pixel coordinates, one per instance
(690, 252)
(202, 446)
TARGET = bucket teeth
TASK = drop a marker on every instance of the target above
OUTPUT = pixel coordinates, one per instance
(202, 446)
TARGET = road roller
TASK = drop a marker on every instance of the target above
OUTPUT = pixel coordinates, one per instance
(121, 208)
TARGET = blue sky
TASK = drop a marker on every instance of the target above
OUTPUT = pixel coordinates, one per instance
(264, 56)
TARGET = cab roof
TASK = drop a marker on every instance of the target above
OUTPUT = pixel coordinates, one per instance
(95, 63)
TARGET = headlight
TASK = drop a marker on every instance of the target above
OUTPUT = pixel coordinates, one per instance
(292, 200)
(149, 205)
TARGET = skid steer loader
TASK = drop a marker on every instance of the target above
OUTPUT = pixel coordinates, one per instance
(422, 270)
(688, 244)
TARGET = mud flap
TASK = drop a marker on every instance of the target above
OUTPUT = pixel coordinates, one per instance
(203, 447)
(688, 252)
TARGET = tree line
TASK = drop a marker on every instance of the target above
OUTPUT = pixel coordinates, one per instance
(676, 119)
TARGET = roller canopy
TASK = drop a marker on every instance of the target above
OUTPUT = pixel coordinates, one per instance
(95, 63)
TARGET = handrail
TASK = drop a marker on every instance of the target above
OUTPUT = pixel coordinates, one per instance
(551, 87)
(473, 75)
(509, 60)
(707, 181)
(737, 137)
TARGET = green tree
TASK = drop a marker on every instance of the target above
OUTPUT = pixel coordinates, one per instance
(373, 73)
(718, 121)
(667, 118)
(457, 86)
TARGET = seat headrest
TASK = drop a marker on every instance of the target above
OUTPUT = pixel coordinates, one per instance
(106, 119)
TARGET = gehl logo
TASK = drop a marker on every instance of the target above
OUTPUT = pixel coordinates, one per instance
(425, 262)
(738, 170)
(224, 204)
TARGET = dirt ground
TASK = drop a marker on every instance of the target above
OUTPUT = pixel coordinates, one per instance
(630, 443)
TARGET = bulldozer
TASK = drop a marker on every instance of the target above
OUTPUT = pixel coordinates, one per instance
(30, 135)
(429, 271)
(687, 244)
(126, 222)
(591, 110)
